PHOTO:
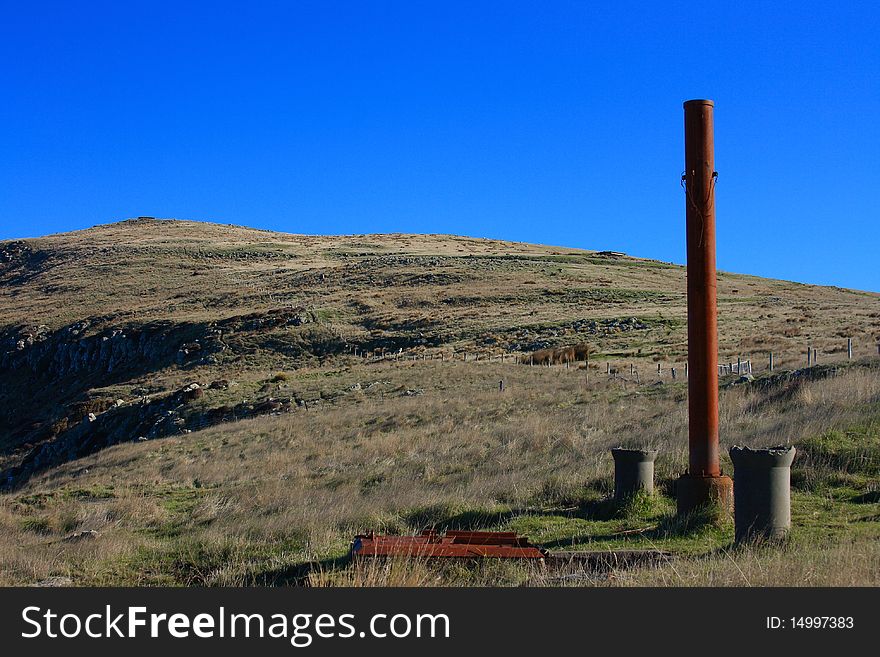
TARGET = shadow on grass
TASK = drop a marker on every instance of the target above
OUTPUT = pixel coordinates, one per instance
(698, 523)
(871, 497)
(298, 574)
(442, 518)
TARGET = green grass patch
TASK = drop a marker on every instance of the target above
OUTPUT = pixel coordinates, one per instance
(852, 450)
(193, 562)
(38, 525)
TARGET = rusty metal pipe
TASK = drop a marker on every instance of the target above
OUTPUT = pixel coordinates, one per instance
(704, 480)
(699, 148)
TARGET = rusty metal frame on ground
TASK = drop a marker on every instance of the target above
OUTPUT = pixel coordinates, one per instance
(451, 544)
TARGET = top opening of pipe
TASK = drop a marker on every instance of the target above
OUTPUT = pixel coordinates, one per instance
(700, 101)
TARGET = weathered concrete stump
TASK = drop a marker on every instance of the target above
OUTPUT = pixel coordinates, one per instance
(633, 471)
(762, 495)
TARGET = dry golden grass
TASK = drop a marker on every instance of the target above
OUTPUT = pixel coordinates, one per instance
(252, 502)
(844, 563)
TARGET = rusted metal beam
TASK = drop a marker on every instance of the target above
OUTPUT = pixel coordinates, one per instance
(704, 480)
(452, 544)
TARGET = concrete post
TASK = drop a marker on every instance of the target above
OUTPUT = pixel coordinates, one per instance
(762, 493)
(633, 471)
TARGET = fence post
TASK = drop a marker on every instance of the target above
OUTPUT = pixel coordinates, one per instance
(809, 356)
(849, 348)
(659, 369)
(739, 369)
(815, 356)
(771, 361)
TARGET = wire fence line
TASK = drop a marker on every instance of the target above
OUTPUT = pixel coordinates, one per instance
(613, 367)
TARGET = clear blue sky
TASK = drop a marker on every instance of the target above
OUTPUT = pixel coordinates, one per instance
(550, 122)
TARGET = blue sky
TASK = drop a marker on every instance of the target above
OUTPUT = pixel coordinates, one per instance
(550, 122)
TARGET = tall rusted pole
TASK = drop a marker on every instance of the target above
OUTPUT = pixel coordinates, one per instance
(703, 481)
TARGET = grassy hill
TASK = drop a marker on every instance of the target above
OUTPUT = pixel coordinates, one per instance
(182, 402)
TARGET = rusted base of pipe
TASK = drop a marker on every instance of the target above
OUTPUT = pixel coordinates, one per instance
(693, 492)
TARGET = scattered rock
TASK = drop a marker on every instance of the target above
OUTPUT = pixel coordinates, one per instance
(56, 580)
(191, 392)
(268, 406)
(86, 534)
(14, 251)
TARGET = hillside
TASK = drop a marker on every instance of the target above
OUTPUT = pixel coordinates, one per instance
(133, 310)
(167, 380)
